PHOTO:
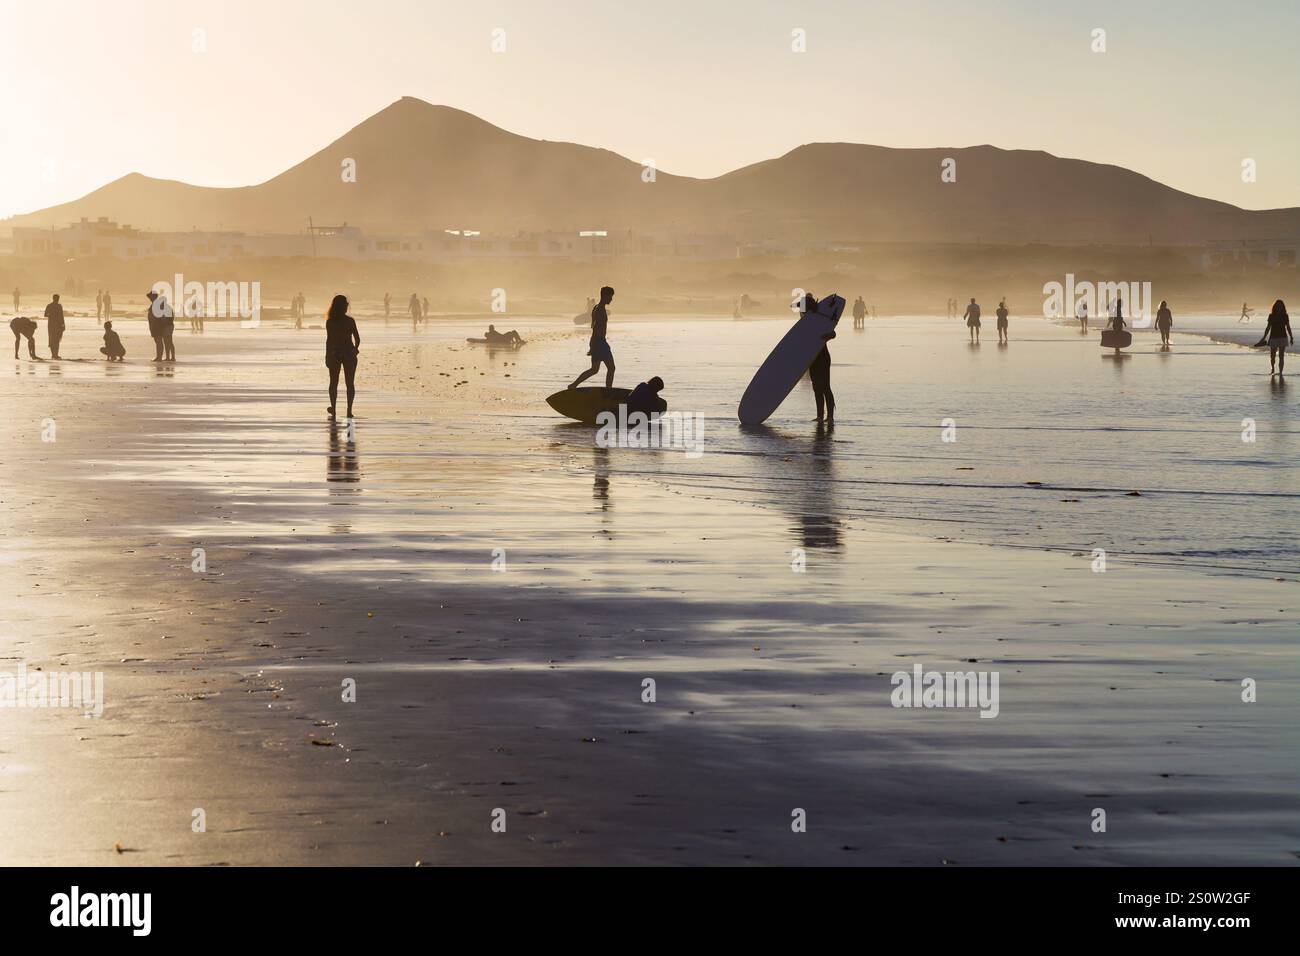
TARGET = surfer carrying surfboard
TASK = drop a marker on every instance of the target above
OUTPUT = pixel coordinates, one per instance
(972, 317)
(599, 350)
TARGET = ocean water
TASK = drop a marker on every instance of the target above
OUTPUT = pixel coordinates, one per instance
(1187, 457)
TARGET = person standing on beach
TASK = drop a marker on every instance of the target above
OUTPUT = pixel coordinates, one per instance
(972, 317)
(342, 343)
(54, 325)
(819, 373)
(413, 306)
(1277, 332)
(1002, 323)
(108, 304)
(158, 307)
(424, 309)
(859, 314)
(18, 296)
(388, 305)
(99, 306)
(23, 326)
(1083, 316)
(599, 349)
(1164, 322)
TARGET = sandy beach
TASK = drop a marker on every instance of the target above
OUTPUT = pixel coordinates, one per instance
(370, 557)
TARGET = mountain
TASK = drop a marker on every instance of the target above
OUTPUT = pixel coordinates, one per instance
(422, 166)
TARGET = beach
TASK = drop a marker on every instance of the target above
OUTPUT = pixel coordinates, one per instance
(499, 589)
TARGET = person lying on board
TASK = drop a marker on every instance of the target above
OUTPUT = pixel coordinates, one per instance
(645, 397)
(503, 338)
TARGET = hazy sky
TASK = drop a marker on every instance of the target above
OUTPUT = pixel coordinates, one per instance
(1185, 91)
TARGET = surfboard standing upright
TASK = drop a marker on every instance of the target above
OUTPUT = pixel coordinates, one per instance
(781, 371)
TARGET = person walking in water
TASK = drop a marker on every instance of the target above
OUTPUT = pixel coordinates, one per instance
(413, 306)
(972, 317)
(1245, 313)
(1082, 313)
(1002, 323)
(1277, 332)
(342, 343)
(1164, 322)
(54, 325)
(21, 327)
(599, 349)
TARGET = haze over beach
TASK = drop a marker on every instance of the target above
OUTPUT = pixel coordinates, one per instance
(809, 435)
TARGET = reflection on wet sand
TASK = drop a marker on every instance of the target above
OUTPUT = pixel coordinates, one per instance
(342, 469)
(600, 481)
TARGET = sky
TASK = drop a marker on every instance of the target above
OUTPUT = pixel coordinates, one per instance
(232, 92)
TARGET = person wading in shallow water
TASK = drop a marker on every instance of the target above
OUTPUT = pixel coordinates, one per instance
(972, 317)
(1278, 334)
(342, 343)
(1164, 322)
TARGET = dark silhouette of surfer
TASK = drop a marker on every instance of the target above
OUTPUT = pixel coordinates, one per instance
(342, 343)
(972, 317)
(819, 372)
(55, 325)
(113, 348)
(1277, 332)
(1164, 322)
(22, 326)
(645, 397)
(502, 338)
(599, 346)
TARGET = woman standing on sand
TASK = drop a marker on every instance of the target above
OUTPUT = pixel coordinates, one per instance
(342, 342)
(1278, 334)
(1164, 322)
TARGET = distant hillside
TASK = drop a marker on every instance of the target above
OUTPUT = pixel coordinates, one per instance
(424, 166)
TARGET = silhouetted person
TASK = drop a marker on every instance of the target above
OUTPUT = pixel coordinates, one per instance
(108, 304)
(20, 326)
(342, 343)
(1164, 321)
(113, 348)
(599, 346)
(1083, 315)
(1245, 313)
(504, 338)
(972, 317)
(18, 296)
(645, 397)
(413, 306)
(424, 309)
(1002, 313)
(859, 314)
(299, 307)
(388, 304)
(819, 372)
(54, 325)
(99, 306)
(159, 317)
(1278, 334)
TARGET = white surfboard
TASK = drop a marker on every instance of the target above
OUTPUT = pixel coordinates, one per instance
(783, 368)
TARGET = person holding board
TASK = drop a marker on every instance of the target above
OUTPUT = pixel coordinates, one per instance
(599, 349)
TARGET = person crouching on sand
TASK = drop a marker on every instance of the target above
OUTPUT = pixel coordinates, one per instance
(342, 343)
(23, 326)
(113, 349)
(972, 317)
(1277, 332)
(599, 346)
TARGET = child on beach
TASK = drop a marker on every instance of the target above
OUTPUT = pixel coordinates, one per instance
(972, 317)
(599, 347)
(113, 349)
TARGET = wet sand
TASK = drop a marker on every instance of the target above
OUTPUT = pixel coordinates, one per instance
(371, 559)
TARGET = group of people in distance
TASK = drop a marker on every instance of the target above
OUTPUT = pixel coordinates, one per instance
(162, 326)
